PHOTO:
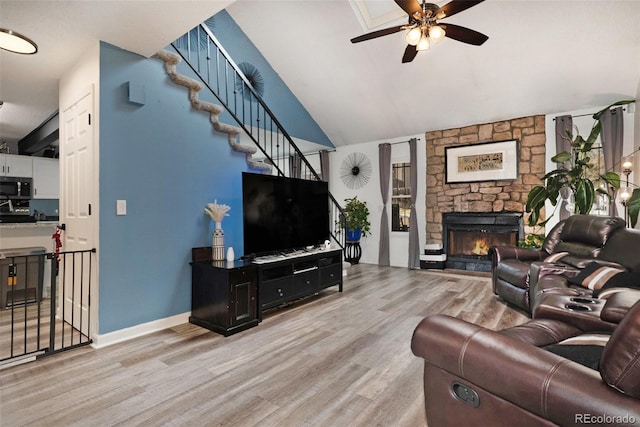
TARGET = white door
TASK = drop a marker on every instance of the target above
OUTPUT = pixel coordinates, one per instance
(77, 179)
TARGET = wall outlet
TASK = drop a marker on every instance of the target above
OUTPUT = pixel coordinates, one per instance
(121, 207)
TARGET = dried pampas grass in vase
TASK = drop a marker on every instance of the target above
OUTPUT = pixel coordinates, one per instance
(217, 213)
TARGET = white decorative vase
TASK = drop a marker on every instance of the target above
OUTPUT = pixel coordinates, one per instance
(217, 248)
(231, 256)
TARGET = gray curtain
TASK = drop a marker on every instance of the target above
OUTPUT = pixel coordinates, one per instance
(295, 166)
(384, 152)
(324, 165)
(564, 124)
(611, 136)
(414, 239)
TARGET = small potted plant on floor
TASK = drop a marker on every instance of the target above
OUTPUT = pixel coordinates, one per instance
(357, 215)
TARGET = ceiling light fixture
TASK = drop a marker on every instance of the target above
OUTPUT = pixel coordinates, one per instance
(436, 33)
(424, 43)
(425, 29)
(17, 43)
(413, 36)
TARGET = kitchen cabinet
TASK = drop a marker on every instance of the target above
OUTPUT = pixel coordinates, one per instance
(14, 165)
(46, 178)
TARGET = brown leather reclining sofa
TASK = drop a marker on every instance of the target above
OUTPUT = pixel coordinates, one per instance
(577, 362)
(543, 373)
(578, 247)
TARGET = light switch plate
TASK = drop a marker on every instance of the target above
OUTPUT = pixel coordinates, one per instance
(121, 207)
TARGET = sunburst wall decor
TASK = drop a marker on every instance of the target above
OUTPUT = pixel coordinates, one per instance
(355, 170)
(255, 78)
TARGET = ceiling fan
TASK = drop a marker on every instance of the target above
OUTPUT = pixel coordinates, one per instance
(424, 26)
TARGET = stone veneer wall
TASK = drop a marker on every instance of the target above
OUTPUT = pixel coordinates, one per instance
(486, 196)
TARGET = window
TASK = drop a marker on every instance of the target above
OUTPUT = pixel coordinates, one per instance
(400, 196)
(601, 202)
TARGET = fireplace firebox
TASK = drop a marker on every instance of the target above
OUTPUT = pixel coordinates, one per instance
(467, 237)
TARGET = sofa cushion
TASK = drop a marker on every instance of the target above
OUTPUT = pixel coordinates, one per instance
(620, 363)
(553, 238)
(623, 247)
(556, 257)
(587, 355)
(584, 231)
(624, 279)
(595, 275)
(515, 272)
(542, 332)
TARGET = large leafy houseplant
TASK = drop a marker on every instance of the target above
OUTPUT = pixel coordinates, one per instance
(357, 215)
(576, 172)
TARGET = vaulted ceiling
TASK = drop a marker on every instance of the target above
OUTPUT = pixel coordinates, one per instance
(541, 57)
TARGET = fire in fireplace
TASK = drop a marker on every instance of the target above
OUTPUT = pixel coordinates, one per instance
(468, 236)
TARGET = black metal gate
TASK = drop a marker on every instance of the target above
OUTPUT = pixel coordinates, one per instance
(45, 304)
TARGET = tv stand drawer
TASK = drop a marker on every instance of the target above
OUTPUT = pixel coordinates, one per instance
(298, 277)
(331, 275)
(274, 292)
(305, 282)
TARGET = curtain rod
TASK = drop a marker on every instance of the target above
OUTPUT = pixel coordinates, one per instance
(311, 153)
(402, 142)
(588, 114)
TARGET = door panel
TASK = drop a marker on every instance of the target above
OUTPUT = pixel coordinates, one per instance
(77, 174)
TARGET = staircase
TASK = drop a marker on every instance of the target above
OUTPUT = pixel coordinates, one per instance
(272, 150)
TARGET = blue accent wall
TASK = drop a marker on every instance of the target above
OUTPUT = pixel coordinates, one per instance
(293, 116)
(167, 162)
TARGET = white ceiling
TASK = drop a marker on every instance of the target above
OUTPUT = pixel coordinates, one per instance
(541, 57)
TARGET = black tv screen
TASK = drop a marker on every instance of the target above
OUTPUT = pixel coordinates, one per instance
(281, 214)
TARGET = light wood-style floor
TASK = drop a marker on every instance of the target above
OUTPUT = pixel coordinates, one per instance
(339, 359)
(26, 329)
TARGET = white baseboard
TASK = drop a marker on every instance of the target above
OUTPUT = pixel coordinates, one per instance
(104, 340)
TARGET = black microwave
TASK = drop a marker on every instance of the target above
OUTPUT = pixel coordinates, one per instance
(15, 188)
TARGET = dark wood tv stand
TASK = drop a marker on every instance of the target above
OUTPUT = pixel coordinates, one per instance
(298, 277)
(229, 297)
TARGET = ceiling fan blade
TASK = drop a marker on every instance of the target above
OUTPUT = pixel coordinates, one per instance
(456, 6)
(409, 53)
(412, 7)
(378, 33)
(464, 35)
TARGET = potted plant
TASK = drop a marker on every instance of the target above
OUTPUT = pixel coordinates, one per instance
(357, 219)
(576, 173)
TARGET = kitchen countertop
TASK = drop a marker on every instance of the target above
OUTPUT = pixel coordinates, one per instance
(39, 224)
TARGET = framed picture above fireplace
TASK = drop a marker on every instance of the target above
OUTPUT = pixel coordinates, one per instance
(489, 161)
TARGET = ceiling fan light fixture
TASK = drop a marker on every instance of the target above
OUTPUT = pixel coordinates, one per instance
(436, 33)
(424, 43)
(17, 43)
(413, 36)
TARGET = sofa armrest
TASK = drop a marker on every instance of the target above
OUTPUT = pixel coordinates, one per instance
(618, 304)
(499, 253)
(531, 378)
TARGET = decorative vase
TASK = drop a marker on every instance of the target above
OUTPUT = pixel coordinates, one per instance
(217, 247)
(231, 256)
(354, 235)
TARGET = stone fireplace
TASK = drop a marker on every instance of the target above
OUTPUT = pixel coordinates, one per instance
(491, 196)
(467, 237)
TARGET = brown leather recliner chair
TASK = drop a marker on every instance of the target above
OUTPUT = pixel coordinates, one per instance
(582, 236)
(475, 376)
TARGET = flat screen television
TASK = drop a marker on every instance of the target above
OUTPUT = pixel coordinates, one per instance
(281, 214)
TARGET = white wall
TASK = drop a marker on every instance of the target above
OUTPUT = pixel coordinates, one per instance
(584, 125)
(370, 193)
